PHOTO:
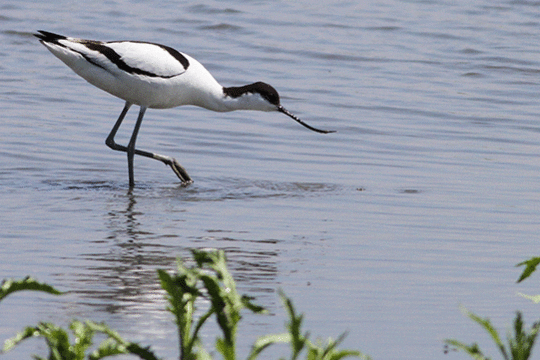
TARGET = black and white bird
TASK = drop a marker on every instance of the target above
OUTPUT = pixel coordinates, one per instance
(156, 76)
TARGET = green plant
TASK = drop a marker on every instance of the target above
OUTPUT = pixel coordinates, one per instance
(520, 342)
(10, 286)
(58, 339)
(208, 279)
(530, 267)
(60, 347)
(299, 341)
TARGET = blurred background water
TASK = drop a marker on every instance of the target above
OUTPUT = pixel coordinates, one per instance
(425, 198)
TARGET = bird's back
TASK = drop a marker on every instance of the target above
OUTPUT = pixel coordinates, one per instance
(141, 73)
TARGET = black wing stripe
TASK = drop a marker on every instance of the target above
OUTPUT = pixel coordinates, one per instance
(112, 55)
(175, 54)
(117, 60)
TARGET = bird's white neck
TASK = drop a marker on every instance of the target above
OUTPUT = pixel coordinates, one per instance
(206, 92)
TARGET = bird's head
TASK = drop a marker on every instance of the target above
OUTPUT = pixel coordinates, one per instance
(263, 97)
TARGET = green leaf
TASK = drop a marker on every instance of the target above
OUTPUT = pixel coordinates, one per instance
(473, 350)
(298, 340)
(486, 324)
(531, 265)
(83, 338)
(257, 309)
(26, 333)
(534, 298)
(107, 348)
(329, 351)
(182, 293)
(226, 349)
(337, 355)
(265, 341)
(522, 342)
(142, 352)
(56, 337)
(60, 348)
(103, 328)
(116, 345)
(9, 286)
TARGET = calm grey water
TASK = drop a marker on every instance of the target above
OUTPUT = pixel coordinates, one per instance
(425, 198)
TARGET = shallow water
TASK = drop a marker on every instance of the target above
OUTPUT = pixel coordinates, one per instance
(425, 198)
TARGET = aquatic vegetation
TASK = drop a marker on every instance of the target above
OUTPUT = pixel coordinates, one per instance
(208, 281)
(60, 347)
(520, 342)
(10, 286)
(530, 267)
(58, 339)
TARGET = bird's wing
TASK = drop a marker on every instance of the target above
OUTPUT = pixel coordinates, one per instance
(139, 58)
(145, 58)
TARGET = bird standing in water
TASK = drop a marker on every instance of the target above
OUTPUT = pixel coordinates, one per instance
(156, 76)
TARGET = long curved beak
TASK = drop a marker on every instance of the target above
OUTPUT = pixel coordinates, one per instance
(283, 110)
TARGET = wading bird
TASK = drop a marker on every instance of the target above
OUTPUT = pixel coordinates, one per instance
(156, 76)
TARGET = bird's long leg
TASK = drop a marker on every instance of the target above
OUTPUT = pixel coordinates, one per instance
(110, 139)
(176, 167)
(131, 145)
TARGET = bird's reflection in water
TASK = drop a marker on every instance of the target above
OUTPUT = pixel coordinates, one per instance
(120, 274)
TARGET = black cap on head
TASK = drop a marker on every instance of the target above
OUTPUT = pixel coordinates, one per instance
(263, 89)
(271, 95)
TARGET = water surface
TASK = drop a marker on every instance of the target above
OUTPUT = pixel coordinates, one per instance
(424, 199)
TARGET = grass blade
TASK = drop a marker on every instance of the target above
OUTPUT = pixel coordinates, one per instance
(265, 341)
(530, 267)
(10, 286)
(473, 350)
(486, 324)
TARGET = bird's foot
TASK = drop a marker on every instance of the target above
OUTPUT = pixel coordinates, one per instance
(175, 166)
(180, 172)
